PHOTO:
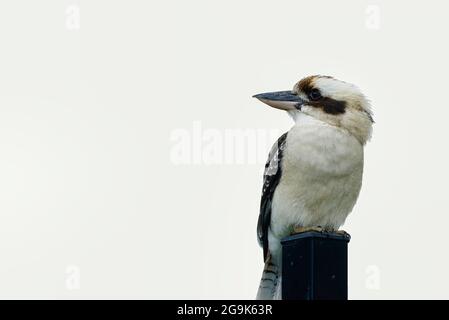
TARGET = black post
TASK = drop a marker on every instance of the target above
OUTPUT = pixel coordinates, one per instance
(315, 266)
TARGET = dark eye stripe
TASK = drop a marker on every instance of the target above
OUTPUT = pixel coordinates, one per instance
(329, 105)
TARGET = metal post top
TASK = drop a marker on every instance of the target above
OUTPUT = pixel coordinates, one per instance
(315, 266)
(317, 234)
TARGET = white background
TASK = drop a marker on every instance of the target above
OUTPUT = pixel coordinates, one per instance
(92, 203)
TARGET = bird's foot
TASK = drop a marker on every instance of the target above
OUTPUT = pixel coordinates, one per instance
(342, 233)
(320, 229)
(307, 229)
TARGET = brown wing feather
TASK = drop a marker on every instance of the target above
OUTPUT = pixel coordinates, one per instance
(271, 178)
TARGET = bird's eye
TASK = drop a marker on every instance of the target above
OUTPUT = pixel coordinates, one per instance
(315, 95)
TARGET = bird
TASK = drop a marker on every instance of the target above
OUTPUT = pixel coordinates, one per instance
(313, 174)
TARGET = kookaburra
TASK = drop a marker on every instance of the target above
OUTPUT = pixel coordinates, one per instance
(314, 171)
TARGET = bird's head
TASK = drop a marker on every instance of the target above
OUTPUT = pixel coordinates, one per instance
(332, 101)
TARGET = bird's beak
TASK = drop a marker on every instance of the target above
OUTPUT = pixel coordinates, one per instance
(284, 100)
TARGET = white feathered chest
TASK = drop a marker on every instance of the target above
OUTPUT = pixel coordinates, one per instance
(321, 178)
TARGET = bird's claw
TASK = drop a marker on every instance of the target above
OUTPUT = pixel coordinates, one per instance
(307, 229)
(342, 233)
(319, 229)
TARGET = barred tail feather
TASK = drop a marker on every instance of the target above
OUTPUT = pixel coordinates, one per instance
(270, 284)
